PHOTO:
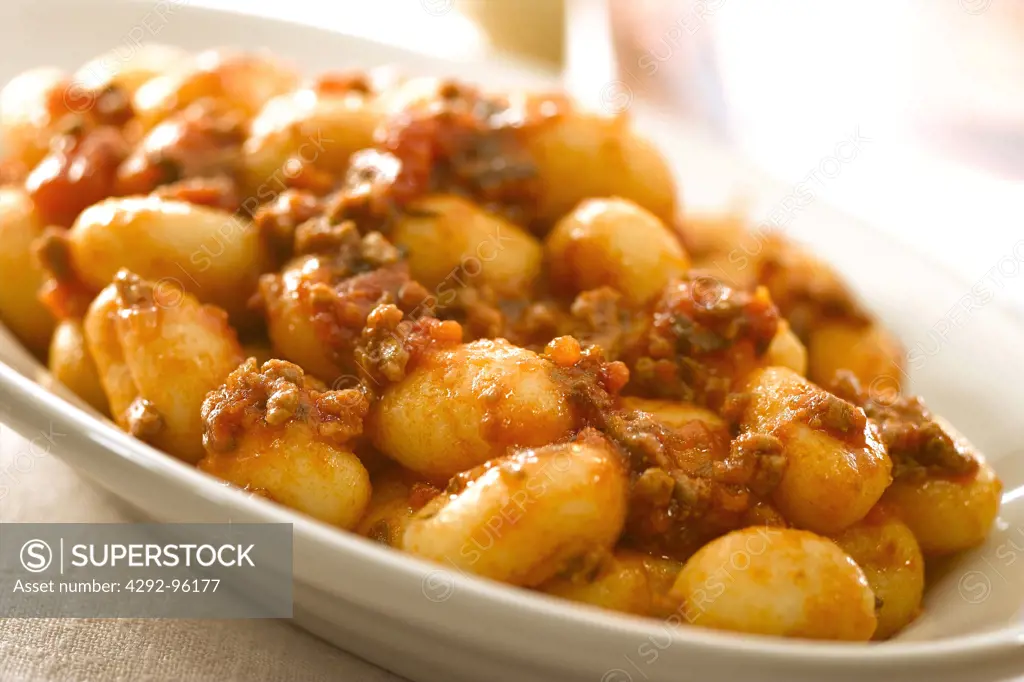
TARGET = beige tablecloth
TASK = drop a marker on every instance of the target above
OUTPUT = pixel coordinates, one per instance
(40, 488)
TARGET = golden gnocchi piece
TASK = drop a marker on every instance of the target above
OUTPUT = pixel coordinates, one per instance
(99, 328)
(315, 127)
(20, 308)
(580, 155)
(948, 513)
(290, 318)
(464, 406)
(526, 517)
(212, 254)
(873, 354)
(397, 495)
(71, 363)
(676, 415)
(887, 552)
(275, 431)
(159, 352)
(713, 235)
(786, 350)
(624, 581)
(777, 581)
(613, 242)
(32, 108)
(242, 81)
(451, 242)
(837, 468)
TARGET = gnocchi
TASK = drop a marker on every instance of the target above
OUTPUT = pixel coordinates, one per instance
(948, 515)
(775, 581)
(613, 242)
(836, 465)
(786, 350)
(629, 582)
(888, 553)
(451, 243)
(948, 510)
(159, 352)
(676, 415)
(525, 518)
(582, 155)
(397, 495)
(869, 352)
(476, 326)
(272, 430)
(318, 127)
(464, 406)
(20, 308)
(212, 254)
(32, 107)
(70, 363)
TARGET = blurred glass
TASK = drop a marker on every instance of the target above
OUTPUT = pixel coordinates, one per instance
(945, 75)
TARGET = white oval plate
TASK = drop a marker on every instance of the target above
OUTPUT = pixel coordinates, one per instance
(430, 625)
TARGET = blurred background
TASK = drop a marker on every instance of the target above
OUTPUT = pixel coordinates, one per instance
(930, 93)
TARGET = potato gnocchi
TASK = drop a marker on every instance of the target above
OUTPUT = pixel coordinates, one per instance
(478, 327)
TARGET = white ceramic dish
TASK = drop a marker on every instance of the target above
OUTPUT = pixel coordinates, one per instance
(433, 626)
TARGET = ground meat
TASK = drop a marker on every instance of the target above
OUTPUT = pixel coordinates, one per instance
(698, 339)
(390, 345)
(274, 395)
(337, 279)
(917, 443)
(277, 220)
(531, 323)
(756, 461)
(733, 408)
(690, 483)
(461, 141)
(695, 489)
(200, 142)
(349, 251)
(420, 494)
(834, 415)
(592, 383)
(112, 106)
(594, 318)
(216, 192)
(339, 312)
(63, 293)
(80, 170)
(601, 317)
(143, 419)
(365, 196)
(650, 443)
(478, 310)
(672, 513)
